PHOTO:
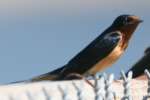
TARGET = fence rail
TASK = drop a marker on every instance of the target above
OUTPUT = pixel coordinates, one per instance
(105, 88)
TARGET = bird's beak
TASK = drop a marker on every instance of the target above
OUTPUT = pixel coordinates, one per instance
(136, 19)
(140, 21)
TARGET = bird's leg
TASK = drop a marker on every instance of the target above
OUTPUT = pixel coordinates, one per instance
(74, 76)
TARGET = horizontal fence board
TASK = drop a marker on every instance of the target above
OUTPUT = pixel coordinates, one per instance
(65, 90)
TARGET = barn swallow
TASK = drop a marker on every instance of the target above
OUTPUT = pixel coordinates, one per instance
(100, 53)
(142, 64)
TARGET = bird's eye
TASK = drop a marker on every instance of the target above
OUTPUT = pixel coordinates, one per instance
(128, 20)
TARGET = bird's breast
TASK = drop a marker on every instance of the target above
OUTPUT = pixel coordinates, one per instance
(107, 61)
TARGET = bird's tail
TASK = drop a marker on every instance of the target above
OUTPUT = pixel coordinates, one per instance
(54, 75)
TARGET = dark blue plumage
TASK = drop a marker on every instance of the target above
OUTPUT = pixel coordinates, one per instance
(101, 52)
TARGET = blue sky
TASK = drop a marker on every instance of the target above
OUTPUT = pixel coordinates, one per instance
(39, 36)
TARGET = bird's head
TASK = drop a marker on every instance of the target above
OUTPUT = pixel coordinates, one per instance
(147, 51)
(126, 24)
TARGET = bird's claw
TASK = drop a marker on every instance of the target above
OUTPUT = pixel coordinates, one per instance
(75, 76)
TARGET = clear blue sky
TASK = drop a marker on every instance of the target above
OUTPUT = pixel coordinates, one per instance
(39, 36)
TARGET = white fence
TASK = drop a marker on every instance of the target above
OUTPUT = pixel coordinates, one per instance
(105, 88)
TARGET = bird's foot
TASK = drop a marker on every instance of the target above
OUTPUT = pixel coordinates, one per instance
(74, 76)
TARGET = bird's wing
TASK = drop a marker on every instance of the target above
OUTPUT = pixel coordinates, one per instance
(88, 57)
(94, 52)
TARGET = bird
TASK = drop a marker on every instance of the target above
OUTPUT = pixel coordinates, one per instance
(99, 54)
(143, 63)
